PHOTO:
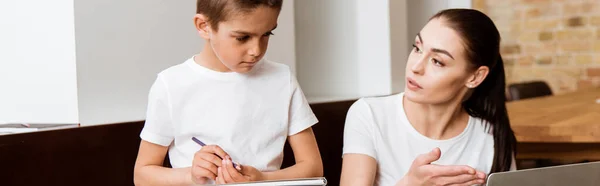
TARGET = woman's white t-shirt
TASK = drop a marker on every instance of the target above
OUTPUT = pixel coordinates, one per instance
(378, 127)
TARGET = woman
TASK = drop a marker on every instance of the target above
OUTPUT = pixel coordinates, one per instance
(450, 126)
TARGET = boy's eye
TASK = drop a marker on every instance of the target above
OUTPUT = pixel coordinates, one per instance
(268, 34)
(246, 37)
(243, 38)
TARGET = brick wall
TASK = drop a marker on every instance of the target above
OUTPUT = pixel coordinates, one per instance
(557, 41)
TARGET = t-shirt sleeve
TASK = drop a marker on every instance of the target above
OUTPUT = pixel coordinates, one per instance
(158, 128)
(301, 116)
(358, 130)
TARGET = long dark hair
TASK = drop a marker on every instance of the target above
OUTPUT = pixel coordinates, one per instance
(488, 101)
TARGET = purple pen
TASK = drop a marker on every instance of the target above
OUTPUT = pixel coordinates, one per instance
(202, 144)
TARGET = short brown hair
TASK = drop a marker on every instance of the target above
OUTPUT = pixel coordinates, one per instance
(217, 11)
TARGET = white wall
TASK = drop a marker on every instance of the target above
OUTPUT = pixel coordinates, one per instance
(420, 11)
(460, 3)
(348, 49)
(37, 62)
(282, 46)
(373, 45)
(400, 46)
(122, 45)
(93, 62)
(326, 40)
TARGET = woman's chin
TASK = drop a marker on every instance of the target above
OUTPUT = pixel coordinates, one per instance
(409, 94)
(414, 96)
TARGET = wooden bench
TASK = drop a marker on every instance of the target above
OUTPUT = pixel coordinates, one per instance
(105, 154)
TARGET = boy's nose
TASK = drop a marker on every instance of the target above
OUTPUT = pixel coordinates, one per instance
(255, 50)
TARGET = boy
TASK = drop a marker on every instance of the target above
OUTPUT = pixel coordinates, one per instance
(241, 106)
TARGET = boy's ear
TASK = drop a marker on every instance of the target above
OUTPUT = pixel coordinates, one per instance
(202, 25)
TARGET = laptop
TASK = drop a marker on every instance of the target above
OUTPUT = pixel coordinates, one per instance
(582, 174)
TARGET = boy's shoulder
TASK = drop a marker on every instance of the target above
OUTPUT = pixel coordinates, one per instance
(178, 69)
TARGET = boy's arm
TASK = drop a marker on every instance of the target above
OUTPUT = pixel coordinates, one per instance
(157, 130)
(149, 170)
(301, 139)
(308, 159)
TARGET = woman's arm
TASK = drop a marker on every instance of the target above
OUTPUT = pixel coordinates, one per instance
(358, 169)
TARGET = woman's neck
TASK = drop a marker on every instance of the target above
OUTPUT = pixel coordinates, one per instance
(443, 121)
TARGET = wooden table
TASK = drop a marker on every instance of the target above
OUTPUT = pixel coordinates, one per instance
(557, 127)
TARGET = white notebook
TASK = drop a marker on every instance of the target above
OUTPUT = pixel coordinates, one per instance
(16, 130)
(295, 182)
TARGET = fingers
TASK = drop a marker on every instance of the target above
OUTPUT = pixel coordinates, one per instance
(481, 175)
(470, 183)
(200, 174)
(220, 179)
(214, 149)
(450, 170)
(208, 161)
(460, 179)
(459, 175)
(425, 159)
(208, 166)
(239, 168)
(226, 176)
(233, 172)
(230, 174)
(245, 170)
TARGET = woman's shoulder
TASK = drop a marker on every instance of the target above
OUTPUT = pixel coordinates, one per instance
(383, 99)
(377, 105)
(482, 127)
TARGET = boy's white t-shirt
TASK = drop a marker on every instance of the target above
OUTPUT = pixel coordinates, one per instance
(378, 127)
(248, 115)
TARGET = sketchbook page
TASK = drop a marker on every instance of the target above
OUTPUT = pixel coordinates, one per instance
(292, 182)
(16, 130)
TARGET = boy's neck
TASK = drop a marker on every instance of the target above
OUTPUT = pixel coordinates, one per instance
(208, 59)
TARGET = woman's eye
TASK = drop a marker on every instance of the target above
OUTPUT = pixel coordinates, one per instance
(417, 49)
(437, 62)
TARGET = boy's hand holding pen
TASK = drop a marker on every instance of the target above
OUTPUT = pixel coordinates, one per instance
(207, 161)
(220, 156)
